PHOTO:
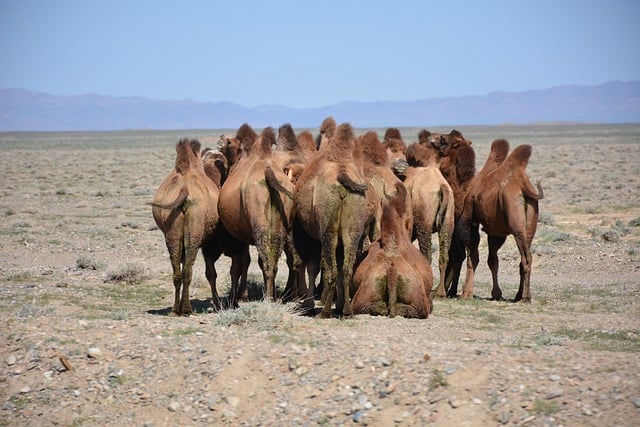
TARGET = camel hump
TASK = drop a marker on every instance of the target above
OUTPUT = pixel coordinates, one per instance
(500, 149)
(465, 163)
(187, 154)
(274, 183)
(350, 184)
(519, 157)
(179, 202)
(392, 133)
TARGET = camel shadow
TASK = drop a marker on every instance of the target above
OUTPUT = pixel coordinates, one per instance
(205, 306)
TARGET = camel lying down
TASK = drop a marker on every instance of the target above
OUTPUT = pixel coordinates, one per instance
(394, 278)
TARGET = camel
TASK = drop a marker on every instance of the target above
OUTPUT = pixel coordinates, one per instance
(432, 202)
(216, 168)
(504, 202)
(456, 160)
(394, 278)
(252, 209)
(381, 177)
(185, 209)
(335, 205)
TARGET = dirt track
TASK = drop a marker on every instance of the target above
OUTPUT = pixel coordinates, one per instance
(77, 350)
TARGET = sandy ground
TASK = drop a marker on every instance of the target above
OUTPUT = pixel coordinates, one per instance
(78, 349)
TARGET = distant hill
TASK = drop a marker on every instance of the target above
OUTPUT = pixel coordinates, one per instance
(613, 102)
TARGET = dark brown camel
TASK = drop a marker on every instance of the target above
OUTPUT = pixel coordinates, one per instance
(504, 202)
(185, 210)
(394, 278)
(252, 209)
(335, 205)
(432, 203)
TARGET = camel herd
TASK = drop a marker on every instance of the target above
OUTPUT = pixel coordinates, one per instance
(347, 209)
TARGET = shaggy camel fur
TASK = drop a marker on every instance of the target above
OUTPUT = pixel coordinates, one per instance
(394, 278)
(457, 164)
(252, 210)
(215, 166)
(504, 202)
(185, 210)
(233, 148)
(326, 132)
(335, 205)
(432, 202)
(378, 171)
(396, 149)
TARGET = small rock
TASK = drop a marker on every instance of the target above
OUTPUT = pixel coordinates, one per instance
(359, 364)
(25, 389)
(476, 401)
(357, 416)
(554, 394)
(554, 377)
(636, 402)
(426, 357)
(11, 360)
(385, 361)
(173, 406)
(94, 352)
(232, 400)
(455, 403)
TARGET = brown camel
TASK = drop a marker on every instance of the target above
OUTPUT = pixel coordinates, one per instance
(185, 210)
(216, 168)
(432, 203)
(252, 209)
(394, 278)
(504, 202)
(378, 171)
(456, 159)
(335, 205)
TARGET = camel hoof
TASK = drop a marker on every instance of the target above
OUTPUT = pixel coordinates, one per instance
(324, 315)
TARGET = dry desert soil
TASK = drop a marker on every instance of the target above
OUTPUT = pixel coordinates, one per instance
(85, 295)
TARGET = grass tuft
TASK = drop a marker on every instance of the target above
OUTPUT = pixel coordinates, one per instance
(130, 273)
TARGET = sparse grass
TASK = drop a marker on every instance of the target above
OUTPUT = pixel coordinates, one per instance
(545, 407)
(130, 273)
(87, 263)
(437, 379)
(261, 315)
(602, 339)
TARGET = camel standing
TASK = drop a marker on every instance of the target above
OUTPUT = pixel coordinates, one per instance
(185, 210)
(335, 205)
(504, 202)
(432, 202)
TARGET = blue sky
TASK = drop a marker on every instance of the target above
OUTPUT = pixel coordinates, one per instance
(308, 54)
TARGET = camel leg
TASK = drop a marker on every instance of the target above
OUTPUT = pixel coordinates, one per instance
(328, 265)
(269, 248)
(472, 262)
(444, 243)
(495, 243)
(349, 260)
(238, 272)
(187, 272)
(175, 255)
(211, 254)
(524, 293)
(454, 266)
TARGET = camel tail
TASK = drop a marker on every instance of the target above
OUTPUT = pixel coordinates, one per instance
(177, 203)
(530, 192)
(350, 184)
(392, 287)
(275, 187)
(443, 206)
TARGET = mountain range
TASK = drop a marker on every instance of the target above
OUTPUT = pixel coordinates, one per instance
(612, 102)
